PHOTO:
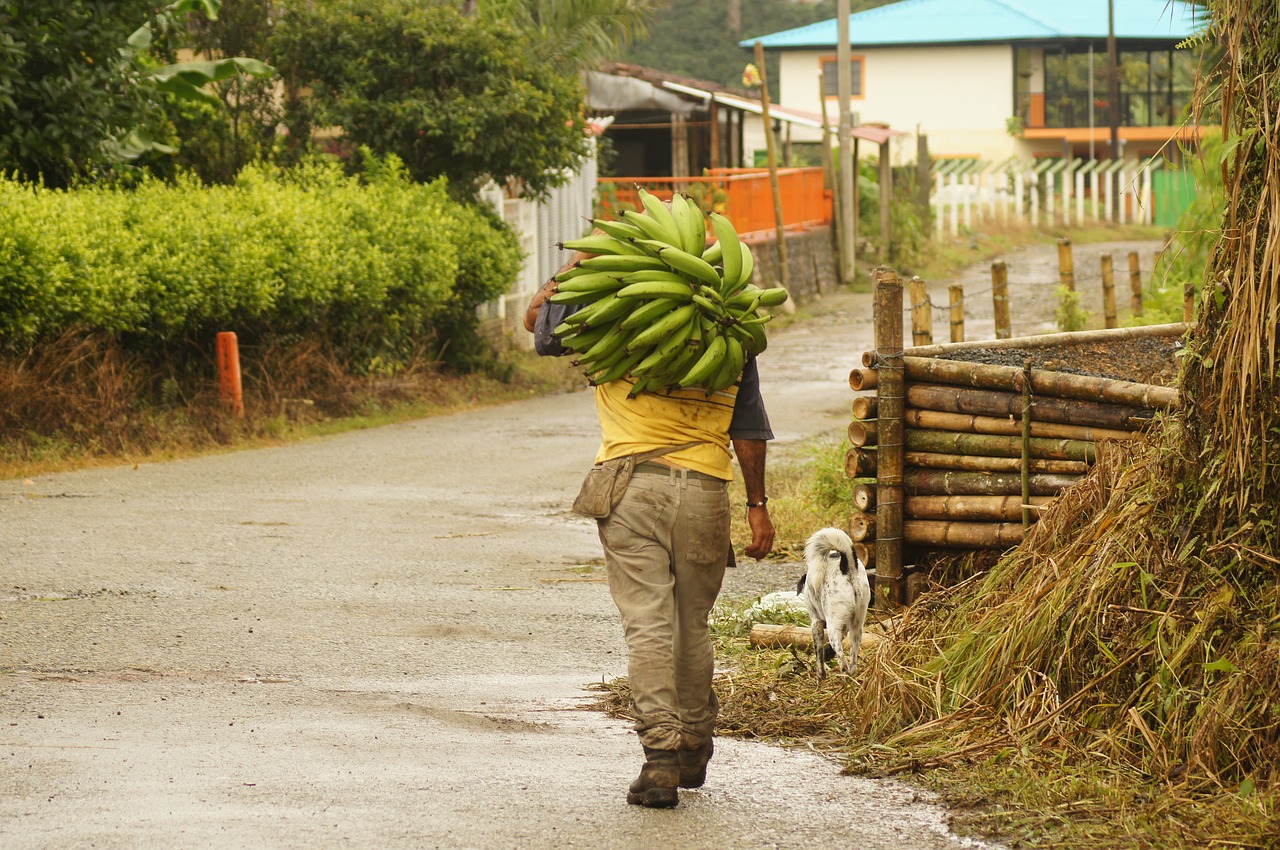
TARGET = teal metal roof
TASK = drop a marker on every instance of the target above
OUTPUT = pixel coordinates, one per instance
(911, 22)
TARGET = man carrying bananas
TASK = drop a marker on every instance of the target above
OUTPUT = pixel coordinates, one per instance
(667, 543)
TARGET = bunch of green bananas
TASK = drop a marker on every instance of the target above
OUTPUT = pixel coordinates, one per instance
(661, 305)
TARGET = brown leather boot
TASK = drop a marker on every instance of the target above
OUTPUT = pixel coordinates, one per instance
(693, 764)
(657, 786)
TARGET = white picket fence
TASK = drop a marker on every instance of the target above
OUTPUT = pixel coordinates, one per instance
(565, 214)
(971, 193)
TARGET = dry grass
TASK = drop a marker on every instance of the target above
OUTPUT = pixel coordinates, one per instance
(83, 400)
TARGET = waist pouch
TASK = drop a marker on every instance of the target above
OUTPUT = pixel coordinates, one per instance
(607, 481)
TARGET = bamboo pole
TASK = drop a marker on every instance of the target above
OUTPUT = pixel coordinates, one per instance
(1135, 283)
(972, 508)
(864, 407)
(1188, 303)
(867, 555)
(921, 312)
(1055, 340)
(862, 433)
(863, 379)
(994, 445)
(771, 146)
(1066, 265)
(860, 463)
(862, 526)
(957, 312)
(962, 535)
(983, 402)
(774, 636)
(983, 463)
(1000, 299)
(889, 477)
(936, 420)
(864, 497)
(930, 482)
(1044, 382)
(1108, 292)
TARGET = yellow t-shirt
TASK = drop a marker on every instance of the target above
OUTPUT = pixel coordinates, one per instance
(653, 420)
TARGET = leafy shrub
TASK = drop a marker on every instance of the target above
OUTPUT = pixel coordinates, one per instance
(382, 268)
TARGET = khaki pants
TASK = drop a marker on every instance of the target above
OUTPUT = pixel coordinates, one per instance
(666, 545)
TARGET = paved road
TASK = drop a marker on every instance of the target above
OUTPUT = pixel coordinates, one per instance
(378, 639)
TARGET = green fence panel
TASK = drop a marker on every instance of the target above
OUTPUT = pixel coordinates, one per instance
(1174, 191)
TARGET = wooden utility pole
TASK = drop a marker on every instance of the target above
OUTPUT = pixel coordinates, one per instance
(784, 274)
(848, 180)
(1113, 80)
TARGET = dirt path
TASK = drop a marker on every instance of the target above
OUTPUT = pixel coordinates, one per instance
(378, 639)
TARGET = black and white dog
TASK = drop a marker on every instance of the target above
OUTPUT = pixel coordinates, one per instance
(836, 592)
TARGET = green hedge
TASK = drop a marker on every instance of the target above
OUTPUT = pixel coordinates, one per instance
(375, 269)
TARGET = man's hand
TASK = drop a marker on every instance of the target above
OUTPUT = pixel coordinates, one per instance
(751, 456)
(761, 532)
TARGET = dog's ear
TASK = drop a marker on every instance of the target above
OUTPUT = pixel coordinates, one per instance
(800, 584)
(844, 563)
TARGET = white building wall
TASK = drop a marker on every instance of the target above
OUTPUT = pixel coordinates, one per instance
(961, 96)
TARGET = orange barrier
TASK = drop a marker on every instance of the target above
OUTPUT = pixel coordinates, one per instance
(744, 195)
(229, 371)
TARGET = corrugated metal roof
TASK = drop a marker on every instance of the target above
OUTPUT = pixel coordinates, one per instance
(970, 21)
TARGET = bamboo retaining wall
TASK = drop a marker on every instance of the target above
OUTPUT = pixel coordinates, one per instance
(948, 454)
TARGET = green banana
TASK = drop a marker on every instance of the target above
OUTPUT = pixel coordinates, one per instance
(617, 370)
(679, 290)
(740, 302)
(773, 296)
(731, 252)
(600, 243)
(752, 336)
(699, 227)
(609, 309)
(643, 275)
(652, 229)
(691, 264)
(615, 338)
(572, 298)
(665, 351)
(648, 312)
(748, 265)
(619, 263)
(618, 229)
(600, 282)
(660, 213)
(731, 367)
(687, 216)
(668, 324)
(708, 364)
(581, 339)
(714, 252)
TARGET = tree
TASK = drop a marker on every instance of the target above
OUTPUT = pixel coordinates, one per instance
(64, 88)
(451, 96)
(219, 140)
(579, 34)
(80, 84)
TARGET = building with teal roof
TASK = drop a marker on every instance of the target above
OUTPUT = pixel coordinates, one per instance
(997, 78)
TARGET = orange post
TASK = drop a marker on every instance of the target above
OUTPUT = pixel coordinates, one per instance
(229, 371)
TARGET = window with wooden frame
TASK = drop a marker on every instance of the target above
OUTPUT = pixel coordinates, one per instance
(831, 80)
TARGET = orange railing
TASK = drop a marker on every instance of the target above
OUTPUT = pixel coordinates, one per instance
(744, 195)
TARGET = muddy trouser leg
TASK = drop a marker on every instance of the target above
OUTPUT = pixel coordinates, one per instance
(665, 550)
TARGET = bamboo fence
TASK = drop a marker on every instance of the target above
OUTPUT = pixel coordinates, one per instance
(948, 454)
